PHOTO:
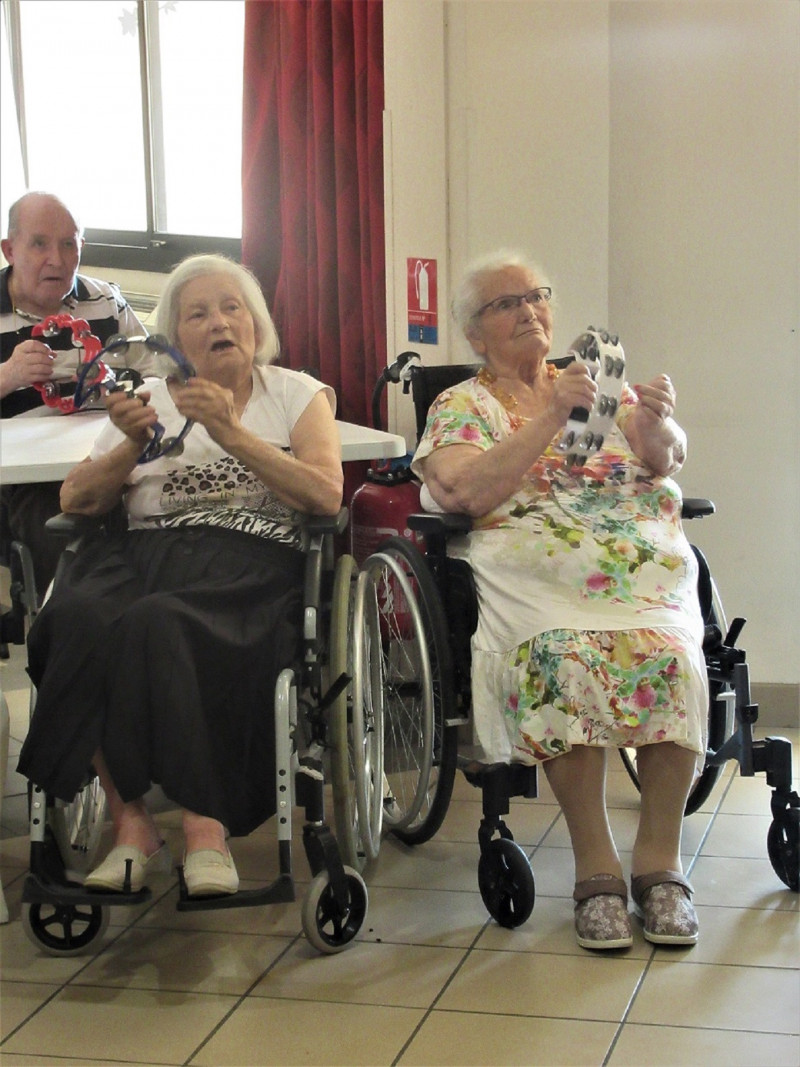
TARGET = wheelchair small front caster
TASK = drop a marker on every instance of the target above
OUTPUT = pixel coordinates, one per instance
(783, 847)
(64, 929)
(329, 927)
(506, 884)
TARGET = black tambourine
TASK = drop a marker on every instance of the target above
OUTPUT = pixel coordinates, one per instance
(111, 370)
(586, 430)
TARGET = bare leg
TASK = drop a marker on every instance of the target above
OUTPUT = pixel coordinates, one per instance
(133, 823)
(666, 772)
(202, 832)
(578, 780)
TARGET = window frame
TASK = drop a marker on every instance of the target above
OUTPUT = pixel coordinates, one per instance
(152, 250)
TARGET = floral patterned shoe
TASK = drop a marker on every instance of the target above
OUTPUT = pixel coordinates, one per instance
(663, 900)
(601, 913)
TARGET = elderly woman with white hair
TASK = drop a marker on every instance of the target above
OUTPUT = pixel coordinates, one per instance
(589, 632)
(156, 657)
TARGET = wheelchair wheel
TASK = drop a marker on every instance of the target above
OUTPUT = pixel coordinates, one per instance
(505, 880)
(340, 715)
(356, 717)
(367, 716)
(721, 703)
(420, 749)
(783, 847)
(64, 930)
(78, 827)
(329, 928)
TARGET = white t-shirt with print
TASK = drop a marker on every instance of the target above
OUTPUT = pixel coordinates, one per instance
(203, 485)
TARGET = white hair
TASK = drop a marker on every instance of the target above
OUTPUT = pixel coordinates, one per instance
(467, 297)
(267, 342)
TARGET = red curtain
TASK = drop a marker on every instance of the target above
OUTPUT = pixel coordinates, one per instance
(313, 220)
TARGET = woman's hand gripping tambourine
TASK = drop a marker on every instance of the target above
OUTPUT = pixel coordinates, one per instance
(122, 365)
(59, 391)
(586, 430)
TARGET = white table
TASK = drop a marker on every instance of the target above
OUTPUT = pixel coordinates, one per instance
(43, 446)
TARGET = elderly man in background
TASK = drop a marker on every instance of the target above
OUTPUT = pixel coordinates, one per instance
(43, 250)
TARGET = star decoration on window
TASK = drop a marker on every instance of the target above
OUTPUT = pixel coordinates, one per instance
(130, 19)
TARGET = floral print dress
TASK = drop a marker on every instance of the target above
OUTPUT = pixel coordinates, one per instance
(589, 627)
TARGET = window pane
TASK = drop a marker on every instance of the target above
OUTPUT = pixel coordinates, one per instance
(83, 108)
(202, 45)
(12, 178)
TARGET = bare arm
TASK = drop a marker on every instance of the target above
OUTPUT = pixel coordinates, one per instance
(310, 479)
(655, 437)
(467, 479)
(95, 486)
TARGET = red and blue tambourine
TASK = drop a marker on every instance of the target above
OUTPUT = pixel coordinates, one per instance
(58, 392)
(111, 370)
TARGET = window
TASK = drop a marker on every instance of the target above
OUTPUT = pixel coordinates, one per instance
(131, 111)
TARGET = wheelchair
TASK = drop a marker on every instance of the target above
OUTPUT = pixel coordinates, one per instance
(315, 696)
(427, 608)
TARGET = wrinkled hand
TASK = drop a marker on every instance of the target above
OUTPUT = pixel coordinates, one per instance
(656, 399)
(31, 363)
(133, 415)
(573, 388)
(210, 404)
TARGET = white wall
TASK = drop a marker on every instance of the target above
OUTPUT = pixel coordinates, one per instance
(647, 154)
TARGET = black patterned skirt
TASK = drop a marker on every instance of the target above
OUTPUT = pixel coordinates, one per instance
(162, 648)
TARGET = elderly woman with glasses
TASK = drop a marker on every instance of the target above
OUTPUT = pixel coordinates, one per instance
(589, 634)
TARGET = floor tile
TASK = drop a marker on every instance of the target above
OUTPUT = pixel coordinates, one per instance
(550, 986)
(743, 936)
(680, 1046)
(450, 1038)
(194, 960)
(400, 975)
(20, 1000)
(285, 1032)
(424, 917)
(120, 1025)
(762, 999)
(740, 883)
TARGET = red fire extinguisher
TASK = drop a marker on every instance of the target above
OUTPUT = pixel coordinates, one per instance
(380, 507)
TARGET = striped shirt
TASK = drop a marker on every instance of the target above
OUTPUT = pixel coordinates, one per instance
(100, 303)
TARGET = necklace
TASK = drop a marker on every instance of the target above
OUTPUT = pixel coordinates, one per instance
(508, 400)
(26, 315)
(489, 381)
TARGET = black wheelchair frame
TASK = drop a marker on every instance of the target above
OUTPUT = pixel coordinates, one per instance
(446, 590)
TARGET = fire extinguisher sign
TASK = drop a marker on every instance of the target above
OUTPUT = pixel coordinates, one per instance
(422, 308)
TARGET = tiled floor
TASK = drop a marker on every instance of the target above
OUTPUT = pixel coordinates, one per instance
(431, 979)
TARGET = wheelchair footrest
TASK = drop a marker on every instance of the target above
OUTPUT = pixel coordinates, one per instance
(281, 891)
(35, 890)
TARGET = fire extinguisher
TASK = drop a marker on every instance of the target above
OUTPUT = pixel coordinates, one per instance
(380, 507)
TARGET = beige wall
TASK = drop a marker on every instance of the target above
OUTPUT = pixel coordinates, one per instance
(647, 154)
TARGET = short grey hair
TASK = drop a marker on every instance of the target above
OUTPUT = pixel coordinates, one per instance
(467, 297)
(267, 342)
(15, 211)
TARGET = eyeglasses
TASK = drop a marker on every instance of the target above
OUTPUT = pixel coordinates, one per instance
(502, 304)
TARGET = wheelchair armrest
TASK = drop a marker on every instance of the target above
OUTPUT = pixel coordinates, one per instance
(324, 524)
(697, 508)
(74, 525)
(442, 523)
